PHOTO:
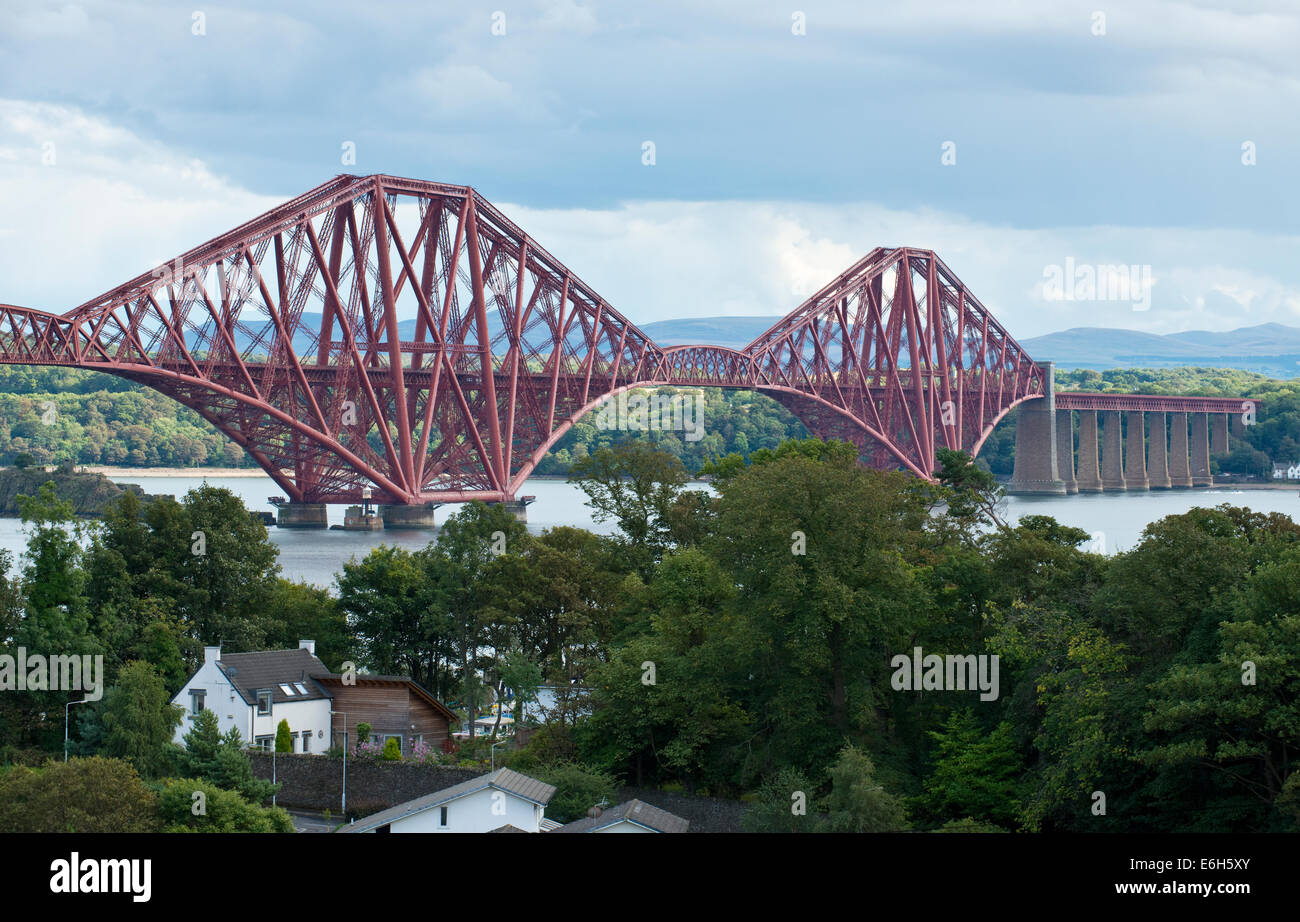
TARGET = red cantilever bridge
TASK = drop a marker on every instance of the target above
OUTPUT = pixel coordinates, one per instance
(284, 334)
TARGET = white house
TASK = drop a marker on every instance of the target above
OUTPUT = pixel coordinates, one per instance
(253, 692)
(488, 803)
(630, 816)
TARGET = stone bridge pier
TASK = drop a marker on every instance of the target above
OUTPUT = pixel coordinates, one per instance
(1145, 443)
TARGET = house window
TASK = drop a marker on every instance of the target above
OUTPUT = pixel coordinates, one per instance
(196, 700)
(264, 702)
(306, 741)
(263, 742)
(442, 817)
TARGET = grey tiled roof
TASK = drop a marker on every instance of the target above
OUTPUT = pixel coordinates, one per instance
(636, 811)
(539, 792)
(249, 672)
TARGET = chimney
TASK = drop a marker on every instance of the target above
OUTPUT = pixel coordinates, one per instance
(211, 654)
(308, 645)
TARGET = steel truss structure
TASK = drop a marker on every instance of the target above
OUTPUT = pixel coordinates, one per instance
(284, 333)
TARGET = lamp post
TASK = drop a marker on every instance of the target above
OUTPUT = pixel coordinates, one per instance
(344, 715)
(66, 708)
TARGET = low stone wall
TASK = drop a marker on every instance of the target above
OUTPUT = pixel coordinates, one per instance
(315, 782)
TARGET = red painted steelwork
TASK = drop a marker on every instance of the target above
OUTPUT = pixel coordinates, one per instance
(508, 349)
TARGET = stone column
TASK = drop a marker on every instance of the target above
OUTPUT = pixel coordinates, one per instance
(418, 516)
(1035, 458)
(1112, 454)
(1135, 451)
(1238, 425)
(1158, 473)
(301, 515)
(1220, 446)
(1089, 477)
(1180, 472)
(517, 507)
(1065, 450)
(1201, 450)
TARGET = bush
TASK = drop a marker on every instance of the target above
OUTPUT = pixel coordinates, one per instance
(216, 810)
(363, 733)
(80, 795)
(283, 737)
(577, 789)
(392, 750)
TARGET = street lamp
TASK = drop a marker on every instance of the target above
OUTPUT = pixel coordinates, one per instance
(345, 760)
(66, 708)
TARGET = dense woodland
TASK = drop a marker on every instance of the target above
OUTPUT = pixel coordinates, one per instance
(737, 644)
(99, 419)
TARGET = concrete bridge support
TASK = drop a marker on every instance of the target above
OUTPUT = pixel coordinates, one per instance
(1112, 454)
(1220, 444)
(1089, 478)
(1135, 451)
(408, 517)
(1065, 450)
(302, 515)
(517, 507)
(1035, 459)
(1158, 452)
(1201, 450)
(1180, 471)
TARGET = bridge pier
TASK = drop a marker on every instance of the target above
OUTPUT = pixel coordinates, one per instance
(1112, 457)
(1065, 450)
(1089, 478)
(1135, 454)
(1221, 423)
(517, 507)
(1158, 475)
(1201, 450)
(301, 515)
(1180, 471)
(1035, 468)
(408, 517)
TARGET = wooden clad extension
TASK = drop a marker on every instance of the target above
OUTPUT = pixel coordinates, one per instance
(392, 705)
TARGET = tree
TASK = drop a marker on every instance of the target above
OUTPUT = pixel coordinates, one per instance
(974, 774)
(195, 805)
(221, 758)
(139, 720)
(783, 803)
(283, 737)
(80, 795)
(635, 485)
(578, 788)
(856, 802)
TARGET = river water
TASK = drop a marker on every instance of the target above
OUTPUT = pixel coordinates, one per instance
(1115, 520)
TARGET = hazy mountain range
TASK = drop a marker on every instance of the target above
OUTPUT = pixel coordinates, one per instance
(1271, 349)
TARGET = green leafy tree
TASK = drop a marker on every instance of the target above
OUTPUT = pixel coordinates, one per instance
(196, 805)
(975, 773)
(578, 788)
(139, 720)
(856, 802)
(784, 802)
(283, 737)
(80, 796)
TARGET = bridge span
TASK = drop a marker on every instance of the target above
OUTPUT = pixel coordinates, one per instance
(284, 333)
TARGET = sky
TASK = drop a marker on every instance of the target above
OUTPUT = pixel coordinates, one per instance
(1026, 142)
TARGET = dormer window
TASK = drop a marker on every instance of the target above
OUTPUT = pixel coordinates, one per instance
(264, 701)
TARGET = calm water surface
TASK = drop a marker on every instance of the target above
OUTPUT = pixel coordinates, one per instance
(316, 555)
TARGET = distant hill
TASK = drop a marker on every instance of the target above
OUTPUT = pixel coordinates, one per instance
(1271, 349)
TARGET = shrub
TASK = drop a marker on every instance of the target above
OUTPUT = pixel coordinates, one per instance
(283, 737)
(216, 810)
(80, 795)
(363, 733)
(577, 789)
(392, 750)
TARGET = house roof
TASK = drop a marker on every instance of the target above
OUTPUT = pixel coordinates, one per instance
(503, 779)
(330, 679)
(631, 811)
(249, 672)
